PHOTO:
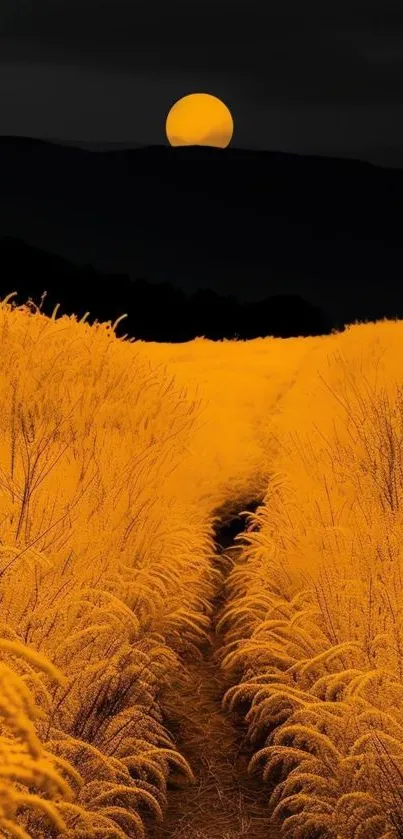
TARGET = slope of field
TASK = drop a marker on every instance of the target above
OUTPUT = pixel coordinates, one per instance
(242, 384)
(123, 650)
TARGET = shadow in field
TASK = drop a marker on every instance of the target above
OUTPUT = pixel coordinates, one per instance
(225, 802)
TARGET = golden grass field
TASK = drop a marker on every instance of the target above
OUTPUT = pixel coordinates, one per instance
(116, 457)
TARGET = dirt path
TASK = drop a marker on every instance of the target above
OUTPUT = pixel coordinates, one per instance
(225, 802)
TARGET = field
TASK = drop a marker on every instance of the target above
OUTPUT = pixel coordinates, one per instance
(152, 682)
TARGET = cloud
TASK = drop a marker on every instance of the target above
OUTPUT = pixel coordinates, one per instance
(214, 137)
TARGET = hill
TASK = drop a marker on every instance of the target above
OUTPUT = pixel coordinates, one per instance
(248, 223)
(156, 312)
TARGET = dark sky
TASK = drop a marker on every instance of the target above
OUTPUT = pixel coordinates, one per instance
(308, 77)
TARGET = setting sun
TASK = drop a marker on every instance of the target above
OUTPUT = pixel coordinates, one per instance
(199, 119)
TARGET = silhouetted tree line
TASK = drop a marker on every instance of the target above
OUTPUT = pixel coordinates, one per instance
(156, 312)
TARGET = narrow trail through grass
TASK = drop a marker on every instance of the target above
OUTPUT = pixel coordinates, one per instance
(225, 802)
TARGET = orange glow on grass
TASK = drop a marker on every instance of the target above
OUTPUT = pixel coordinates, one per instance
(116, 459)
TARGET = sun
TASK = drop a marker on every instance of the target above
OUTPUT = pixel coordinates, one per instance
(199, 119)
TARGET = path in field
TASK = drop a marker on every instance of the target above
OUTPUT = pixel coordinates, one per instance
(225, 802)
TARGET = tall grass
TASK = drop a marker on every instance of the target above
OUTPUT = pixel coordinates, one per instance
(102, 576)
(314, 639)
(111, 463)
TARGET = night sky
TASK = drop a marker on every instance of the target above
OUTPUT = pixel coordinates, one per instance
(311, 78)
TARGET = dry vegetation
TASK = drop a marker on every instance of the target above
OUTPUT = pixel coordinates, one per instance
(114, 456)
